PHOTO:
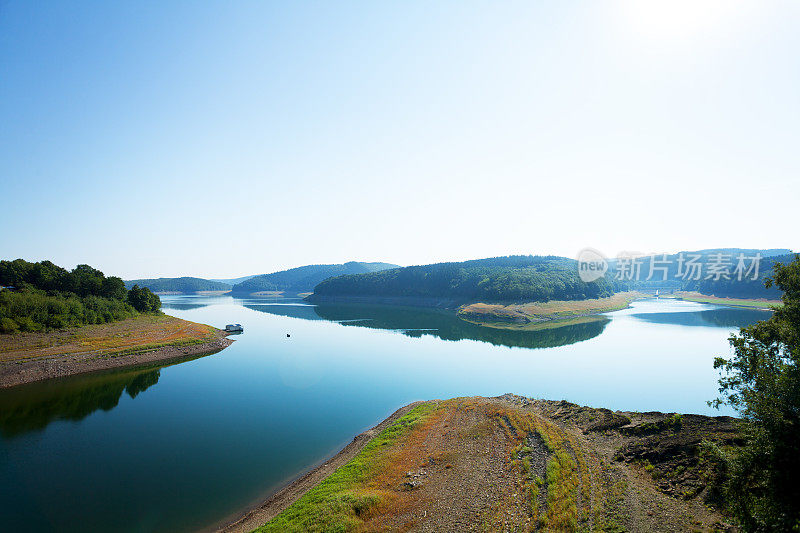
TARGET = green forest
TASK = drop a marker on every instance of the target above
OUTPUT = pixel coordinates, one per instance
(184, 284)
(41, 296)
(304, 278)
(520, 278)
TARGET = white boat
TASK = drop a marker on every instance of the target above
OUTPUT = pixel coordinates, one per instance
(234, 327)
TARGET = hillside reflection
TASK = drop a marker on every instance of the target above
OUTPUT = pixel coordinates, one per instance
(723, 317)
(443, 324)
(32, 407)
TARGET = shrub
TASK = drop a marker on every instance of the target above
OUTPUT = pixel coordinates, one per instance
(8, 326)
(47, 296)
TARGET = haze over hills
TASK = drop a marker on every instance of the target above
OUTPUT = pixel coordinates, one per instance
(300, 279)
(305, 278)
(234, 281)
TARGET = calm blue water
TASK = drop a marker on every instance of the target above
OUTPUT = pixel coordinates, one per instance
(182, 447)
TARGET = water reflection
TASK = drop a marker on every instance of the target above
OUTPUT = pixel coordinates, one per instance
(180, 306)
(221, 432)
(32, 407)
(443, 324)
(723, 317)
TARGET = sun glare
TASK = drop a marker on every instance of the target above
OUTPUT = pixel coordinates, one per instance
(683, 20)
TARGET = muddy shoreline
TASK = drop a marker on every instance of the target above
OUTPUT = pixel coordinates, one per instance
(15, 373)
(293, 490)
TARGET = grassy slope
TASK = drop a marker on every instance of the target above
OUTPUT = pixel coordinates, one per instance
(128, 336)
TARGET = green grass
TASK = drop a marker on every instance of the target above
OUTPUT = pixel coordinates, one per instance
(157, 345)
(734, 302)
(339, 503)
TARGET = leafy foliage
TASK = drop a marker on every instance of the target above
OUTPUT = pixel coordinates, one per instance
(762, 381)
(143, 300)
(304, 278)
(46, 296)
(498, 279)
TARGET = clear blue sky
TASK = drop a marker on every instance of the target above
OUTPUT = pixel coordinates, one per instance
(223, 139)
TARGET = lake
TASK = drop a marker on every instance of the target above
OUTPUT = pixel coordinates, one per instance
(182, 447)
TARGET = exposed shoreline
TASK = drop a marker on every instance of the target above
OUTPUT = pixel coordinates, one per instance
(535, 315)
(265, 511)
(636, 470)
(741, 303)
(25, 370)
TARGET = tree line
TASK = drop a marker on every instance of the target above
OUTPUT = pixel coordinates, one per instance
(498, 279)
(184, 284)
(40, 296)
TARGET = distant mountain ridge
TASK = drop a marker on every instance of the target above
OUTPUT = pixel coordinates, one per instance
(765, 252)
(233, 281)
(305, 278)
(182, 285)
(510, 278)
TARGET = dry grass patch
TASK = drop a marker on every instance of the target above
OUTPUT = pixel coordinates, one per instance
(758, 303)
(536, 313)
(132, 335)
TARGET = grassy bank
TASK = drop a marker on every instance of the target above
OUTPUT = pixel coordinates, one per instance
(135, 342)
(515, 464)
(731, 302)
(345, 498)
(535, 314)
(128, 336)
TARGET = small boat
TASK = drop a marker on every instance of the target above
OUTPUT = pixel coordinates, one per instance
(234, 327)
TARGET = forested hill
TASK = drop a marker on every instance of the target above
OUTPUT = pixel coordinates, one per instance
(498, 279)
(183, 285)
(304, 278)
(37, 296)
